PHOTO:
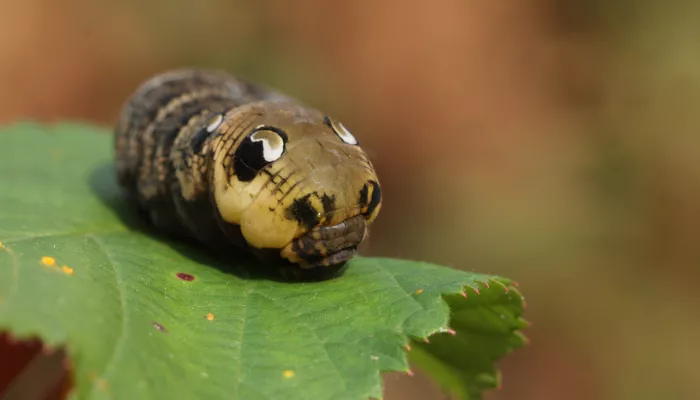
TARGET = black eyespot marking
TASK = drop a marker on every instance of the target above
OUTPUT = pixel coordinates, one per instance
(328, 203)
(303, 212)
(371, 203)
(212, 124)
(340, 130)
(261, 147)
(198, 140)
(375, 199)
(364, 194)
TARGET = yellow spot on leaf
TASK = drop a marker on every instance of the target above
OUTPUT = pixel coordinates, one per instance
(1, 246)
(101, 383)
(210, 317)
(288, 374)
(48, 261)
(67, 270)
(419, 291)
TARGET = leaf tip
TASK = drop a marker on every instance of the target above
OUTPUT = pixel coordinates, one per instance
(447, 330)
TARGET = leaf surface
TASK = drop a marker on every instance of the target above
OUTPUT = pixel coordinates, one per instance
(79, 269)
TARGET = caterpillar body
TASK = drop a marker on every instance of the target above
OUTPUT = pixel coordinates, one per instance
(241, 167)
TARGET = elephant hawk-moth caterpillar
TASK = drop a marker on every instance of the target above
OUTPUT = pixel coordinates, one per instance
(241, 167)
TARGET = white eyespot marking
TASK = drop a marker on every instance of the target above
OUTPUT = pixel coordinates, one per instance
(342, 132)
(214, 123)
(345, 134)
(273, 144)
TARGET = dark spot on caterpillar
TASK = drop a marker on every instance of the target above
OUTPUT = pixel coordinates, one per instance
(160, 327)
(185, 277)
(364, 194)
(376, 198)
(372, 203)
(328, 203)
(303, 212)
(305, 247)
(199, 138)
(327, 121)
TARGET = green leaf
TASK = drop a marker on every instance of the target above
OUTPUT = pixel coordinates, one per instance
(79, 269)
(483, 332)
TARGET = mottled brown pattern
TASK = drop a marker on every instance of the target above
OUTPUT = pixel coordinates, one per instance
(297, 192)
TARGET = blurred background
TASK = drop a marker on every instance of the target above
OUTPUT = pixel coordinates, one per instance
(554, 142)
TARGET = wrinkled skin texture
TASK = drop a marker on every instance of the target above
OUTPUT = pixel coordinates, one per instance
(240, 167)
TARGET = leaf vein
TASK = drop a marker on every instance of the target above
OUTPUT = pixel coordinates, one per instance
(315, 334)
(61, 234)
(118, 346)
(244, 316)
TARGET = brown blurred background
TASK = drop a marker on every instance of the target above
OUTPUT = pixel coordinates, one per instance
(553, 142)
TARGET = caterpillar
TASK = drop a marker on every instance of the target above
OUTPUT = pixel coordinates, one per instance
(240, 167)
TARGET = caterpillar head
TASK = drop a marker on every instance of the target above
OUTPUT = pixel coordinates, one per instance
(295, 181)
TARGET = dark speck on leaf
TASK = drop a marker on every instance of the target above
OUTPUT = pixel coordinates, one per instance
(160, 327)
(185, 277)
